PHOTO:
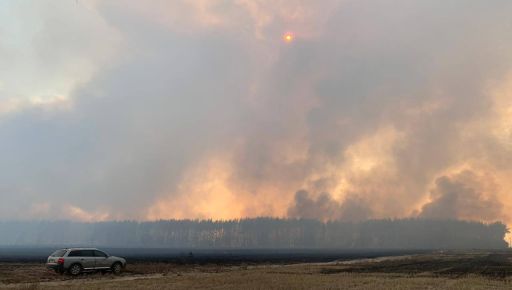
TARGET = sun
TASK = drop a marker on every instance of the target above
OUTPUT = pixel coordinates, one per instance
(288, 37)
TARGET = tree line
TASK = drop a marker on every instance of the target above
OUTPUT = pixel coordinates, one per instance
(259, 233)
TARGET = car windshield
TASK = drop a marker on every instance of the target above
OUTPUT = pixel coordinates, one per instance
(58, 253)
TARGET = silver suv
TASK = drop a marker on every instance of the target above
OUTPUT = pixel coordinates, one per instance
(78, 260)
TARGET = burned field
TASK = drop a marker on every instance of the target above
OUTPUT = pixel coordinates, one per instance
(22, 264)
(447, 270)
(496, 265)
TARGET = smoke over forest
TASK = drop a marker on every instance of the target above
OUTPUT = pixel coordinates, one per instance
(340, 111)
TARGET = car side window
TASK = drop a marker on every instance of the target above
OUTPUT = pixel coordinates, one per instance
(76, 253)
(87, 253)
(100, 254)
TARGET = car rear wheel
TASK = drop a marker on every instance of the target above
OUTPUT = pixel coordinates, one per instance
(75, 269)
(117, 268)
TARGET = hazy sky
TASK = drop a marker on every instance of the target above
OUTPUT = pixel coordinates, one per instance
(203, 109)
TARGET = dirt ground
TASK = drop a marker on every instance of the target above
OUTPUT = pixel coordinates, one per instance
(463, 270)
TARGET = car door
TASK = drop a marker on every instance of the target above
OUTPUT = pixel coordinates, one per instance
(101, 259)
(80, 257)
(87, 259)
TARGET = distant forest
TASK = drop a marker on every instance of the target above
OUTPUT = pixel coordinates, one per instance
(258, 233)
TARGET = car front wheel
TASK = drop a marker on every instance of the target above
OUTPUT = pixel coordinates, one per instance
(117, 268)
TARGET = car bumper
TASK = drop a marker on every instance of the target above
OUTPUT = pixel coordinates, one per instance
(56, 267)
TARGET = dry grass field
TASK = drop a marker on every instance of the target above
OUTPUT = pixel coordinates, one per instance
(475, 270)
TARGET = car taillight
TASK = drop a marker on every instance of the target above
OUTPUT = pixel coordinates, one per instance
(60, 261)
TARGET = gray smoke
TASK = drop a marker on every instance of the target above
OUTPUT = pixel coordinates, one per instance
(465, 196)
(325, 208)
(159, 109)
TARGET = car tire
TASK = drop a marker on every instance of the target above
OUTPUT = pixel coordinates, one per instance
(75, 269)
(117, 268)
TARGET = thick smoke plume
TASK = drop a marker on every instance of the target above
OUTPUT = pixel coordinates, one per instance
(325, 208)
(198, 109)
(463, 196)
